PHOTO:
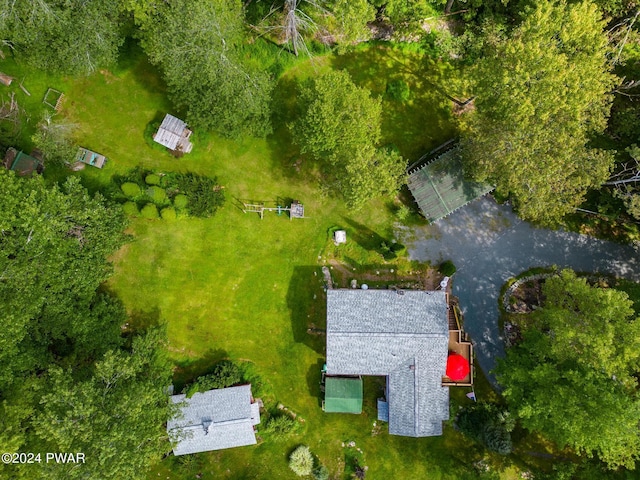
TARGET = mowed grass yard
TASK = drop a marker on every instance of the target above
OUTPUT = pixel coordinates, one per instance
(238, 287)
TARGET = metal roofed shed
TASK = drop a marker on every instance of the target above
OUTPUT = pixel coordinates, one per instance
(214, 420)
(439, 187)
(339, 236)
(174, 134)
(343, 395)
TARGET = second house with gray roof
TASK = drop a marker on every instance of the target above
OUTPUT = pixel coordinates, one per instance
(214, 420)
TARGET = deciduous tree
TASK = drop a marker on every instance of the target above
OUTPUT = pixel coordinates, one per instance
(53, 250)
(68, 36)
(115, 414)
(572, 376)
(541, 94)
(339, 126)
(350, 20)
(196, 44)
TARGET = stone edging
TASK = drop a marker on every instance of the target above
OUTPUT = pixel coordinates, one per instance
(517, 283)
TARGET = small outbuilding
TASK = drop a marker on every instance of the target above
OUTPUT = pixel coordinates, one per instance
(339, 236)
(24, 165)
(343, 395)
(174, 134)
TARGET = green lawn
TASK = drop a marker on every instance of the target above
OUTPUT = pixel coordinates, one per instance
(239, 287)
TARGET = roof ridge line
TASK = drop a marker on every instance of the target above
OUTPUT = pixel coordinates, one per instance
(395, 334)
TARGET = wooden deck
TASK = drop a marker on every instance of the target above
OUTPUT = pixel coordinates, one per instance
(458, 343)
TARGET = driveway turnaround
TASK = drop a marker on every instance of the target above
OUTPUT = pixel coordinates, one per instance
(489, 244)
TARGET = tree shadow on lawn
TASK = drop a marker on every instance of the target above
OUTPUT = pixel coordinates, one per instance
(148, 77)
(425, 119)
(307, 301)
(364, 236)
(314, 376)
(188, 370)
(285, 154)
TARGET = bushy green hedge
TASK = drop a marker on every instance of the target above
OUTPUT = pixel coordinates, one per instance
(280, 427)
(168, 213)
(204, 193)
(131, 189)
(321, 473)
(224, 374)
(157, 194)
(180, 201)
(194, 194)
(131, 209)
(152, 179)
(149, 211)
(447, 268)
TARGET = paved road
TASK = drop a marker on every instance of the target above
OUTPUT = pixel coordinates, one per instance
(489, 244)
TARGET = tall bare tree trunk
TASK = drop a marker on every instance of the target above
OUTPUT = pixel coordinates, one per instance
(447, 9)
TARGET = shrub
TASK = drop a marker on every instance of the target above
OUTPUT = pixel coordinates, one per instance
(390, 250)
(301, 461)
(403, 213)
(205, 195)
(398, 90)
(224, 374)
(152, 179)
(447, 268)
(149, 211)
(168, 213)
(321, 473)
(281, 426)
(180, 201)
(131, 209)
(488, 424)
(157, 194)
(130, 189)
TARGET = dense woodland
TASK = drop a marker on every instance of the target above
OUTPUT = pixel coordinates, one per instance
(553, 123)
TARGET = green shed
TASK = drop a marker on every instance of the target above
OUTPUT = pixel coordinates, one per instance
(24, 165)
(343, 395)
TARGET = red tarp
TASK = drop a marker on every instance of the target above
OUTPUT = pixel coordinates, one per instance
(457, 367)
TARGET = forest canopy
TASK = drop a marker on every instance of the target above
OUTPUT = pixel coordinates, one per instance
(542, 95)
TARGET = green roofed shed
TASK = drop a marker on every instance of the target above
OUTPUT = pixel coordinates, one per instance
(439, 187)
(343, 395)
(21, 163)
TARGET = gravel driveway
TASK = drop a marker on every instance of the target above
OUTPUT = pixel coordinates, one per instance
(489, 244)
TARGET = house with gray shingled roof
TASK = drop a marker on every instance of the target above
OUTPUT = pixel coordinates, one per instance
(402, 335)
(214, 420)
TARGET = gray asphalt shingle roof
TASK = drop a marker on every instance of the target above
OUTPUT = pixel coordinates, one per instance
(402, 336)
(214, 420)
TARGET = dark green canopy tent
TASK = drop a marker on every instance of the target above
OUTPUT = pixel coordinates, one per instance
(343, 395)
